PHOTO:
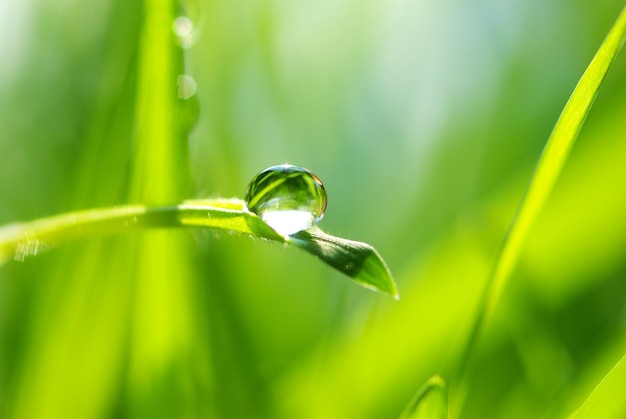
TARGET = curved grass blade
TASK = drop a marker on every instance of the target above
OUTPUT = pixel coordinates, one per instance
(547, 171)
(430, 402)
(553, 158)
(359, 261)
(23, 239)
(607, 399)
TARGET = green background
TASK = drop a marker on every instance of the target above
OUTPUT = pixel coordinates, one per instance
(423, 119)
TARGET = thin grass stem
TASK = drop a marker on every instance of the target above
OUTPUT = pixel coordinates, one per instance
(546, 173)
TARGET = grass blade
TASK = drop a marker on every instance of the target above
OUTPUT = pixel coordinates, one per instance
(553, 158)
(607, 399)
(24, 239)
(546, 173)
(430, 402)
(359, 261)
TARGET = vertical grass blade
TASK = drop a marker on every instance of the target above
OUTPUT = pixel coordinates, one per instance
(159, 158)
(607, 399)
(430, 402)
(163, 319)
(547, 171)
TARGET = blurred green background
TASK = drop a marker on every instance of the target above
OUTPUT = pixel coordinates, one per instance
(424, 120)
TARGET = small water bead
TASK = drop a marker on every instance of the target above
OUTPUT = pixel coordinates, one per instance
(183, 28)
(187, 86)
(289, 198)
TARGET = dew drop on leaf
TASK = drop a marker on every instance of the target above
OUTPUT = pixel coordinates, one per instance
(183, 28)
(289, 198)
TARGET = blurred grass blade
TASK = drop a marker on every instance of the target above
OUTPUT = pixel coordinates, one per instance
(359, 261)
(160, 161)
(553, 158)
(430, 402)
(548, 168)
(607, 399)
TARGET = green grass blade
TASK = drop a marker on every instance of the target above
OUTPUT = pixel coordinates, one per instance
(547, 171)
(359, 261)
(607, 399)
(553, 158)
(23, 239)
(430, 402)
(159, 162)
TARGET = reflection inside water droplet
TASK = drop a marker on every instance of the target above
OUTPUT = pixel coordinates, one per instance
(288, 198)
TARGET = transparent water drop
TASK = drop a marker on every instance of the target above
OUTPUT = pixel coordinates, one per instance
(289, 198)
(183, 28)
(188, 106)
(186, 86)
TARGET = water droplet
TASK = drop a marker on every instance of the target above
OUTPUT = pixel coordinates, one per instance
(288, 198)
(186, 86)
(188, 106)
(183, 28)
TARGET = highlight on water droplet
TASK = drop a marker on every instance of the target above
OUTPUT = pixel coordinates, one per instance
(288, 198)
